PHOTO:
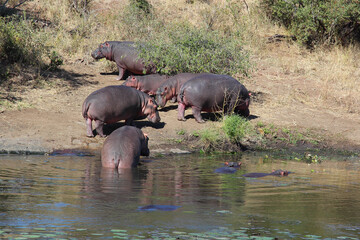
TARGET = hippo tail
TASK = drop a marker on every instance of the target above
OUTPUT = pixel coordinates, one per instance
(181, 95)
(85, 108)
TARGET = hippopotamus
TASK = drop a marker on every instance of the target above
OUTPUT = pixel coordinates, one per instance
(229, 167)
(212, 92)
(171, 87)
(279, 173)
(146, 83)
(123, 148)
(114, 103)
(126, 56)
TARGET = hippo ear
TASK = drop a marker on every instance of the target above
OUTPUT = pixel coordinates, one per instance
(226, 163)
(107, 44)
(133, 78)
(146, 136)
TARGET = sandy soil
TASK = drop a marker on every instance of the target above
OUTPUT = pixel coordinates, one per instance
(54, 120)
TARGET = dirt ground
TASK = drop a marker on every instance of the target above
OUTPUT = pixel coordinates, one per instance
(53, 117)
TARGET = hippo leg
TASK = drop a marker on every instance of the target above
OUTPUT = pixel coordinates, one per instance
(197, 114)
(181, 112)
(99, 128)
(121, 73)
(89, 131)
(173, 100)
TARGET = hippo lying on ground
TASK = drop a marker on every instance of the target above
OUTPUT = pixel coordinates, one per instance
(126, 57)
(170, 89)
(229, 167)
(211, 92)
(147, 83)
(114, 103)
(278, 172)
(123, 148)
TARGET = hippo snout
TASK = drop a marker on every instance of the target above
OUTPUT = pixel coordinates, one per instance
(154, 117)
(96, 54)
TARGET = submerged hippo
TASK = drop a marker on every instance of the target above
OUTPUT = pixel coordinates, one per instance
(229, 167)
(278, 172)
(114, 103)
(146, 83)
(123, 148)
(126, 57)
(212, 92)
(170, 89)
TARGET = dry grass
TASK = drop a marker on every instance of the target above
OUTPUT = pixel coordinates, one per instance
(321, 77)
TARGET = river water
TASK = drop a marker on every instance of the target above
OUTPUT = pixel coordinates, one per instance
(177, 197)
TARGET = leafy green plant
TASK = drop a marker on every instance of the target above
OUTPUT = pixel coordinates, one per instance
(181, 132)
(183, 48)
(55, 60)
(236, 128)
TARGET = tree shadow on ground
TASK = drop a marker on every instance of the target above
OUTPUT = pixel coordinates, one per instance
(70, 78)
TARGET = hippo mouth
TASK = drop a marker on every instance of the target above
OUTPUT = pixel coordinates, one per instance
(154, 117)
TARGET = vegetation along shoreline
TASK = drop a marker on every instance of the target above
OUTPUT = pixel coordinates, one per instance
(304, 83)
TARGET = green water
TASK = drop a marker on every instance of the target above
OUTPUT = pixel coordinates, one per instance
(63, 197)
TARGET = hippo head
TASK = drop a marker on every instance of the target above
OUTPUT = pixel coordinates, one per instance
(131, 81)
(163, 94)
(233, 164)
(104, 50)
(151, 110)
(144, 146)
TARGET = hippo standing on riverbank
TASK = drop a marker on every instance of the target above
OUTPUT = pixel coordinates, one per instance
(171, 87)
(211, 93)
(114, 103)
(123, 148)
(147, 83)
(126, 57)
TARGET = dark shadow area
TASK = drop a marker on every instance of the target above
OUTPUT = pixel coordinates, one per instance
(72, 79)
(9, 97)
(109, 128)
(214, 117)
(252, 117)
(141, 124)
(168, 108)
(116, 73)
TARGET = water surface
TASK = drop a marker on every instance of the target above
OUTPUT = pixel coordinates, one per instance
(73, 197)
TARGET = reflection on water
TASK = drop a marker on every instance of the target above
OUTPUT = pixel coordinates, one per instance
(73, 197)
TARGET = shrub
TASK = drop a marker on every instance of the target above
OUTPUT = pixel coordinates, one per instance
(317, 21)
(182, 48)
(19, 42)
(236, 128)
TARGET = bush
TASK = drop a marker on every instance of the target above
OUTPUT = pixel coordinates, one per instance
(19, 42)
(317, 21)
(182, 48)
(236, 128)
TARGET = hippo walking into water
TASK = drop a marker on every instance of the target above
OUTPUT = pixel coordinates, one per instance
(114, 103)
(123, 148)
(211, 93)
(126, 57)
